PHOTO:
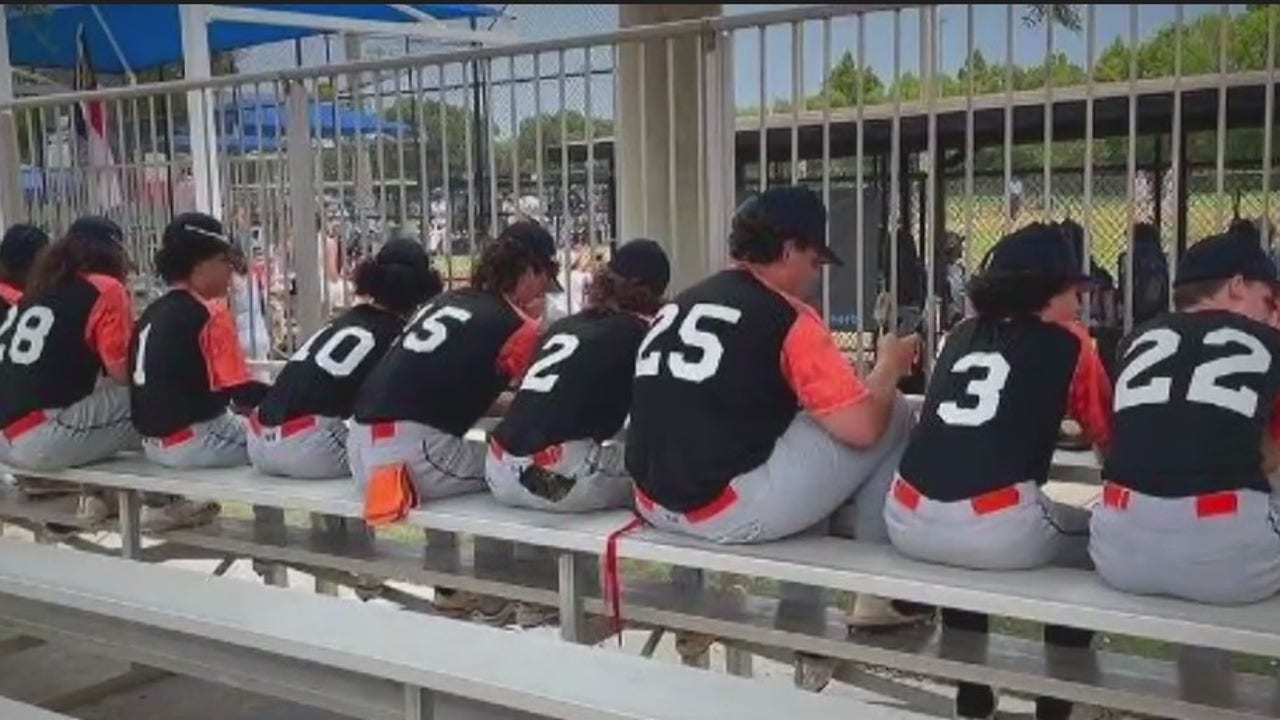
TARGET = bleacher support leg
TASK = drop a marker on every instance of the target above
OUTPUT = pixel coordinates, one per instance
(419, 703)
(737, 661)
(325, 526)
(572, 619)
(130, 523)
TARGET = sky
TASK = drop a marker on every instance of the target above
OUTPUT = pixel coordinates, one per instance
(548, 21)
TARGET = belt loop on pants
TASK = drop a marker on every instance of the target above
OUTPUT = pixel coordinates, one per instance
(178, 437)
(722, 502)
(1214, 504)
(996, 500)
(24, 425)
(382, 430)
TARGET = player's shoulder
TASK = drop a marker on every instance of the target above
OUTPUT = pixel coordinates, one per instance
(1204, 322)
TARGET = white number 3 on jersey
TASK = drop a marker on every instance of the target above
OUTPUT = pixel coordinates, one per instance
(986, 388)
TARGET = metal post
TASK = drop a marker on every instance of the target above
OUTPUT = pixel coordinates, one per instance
(130, 524)
(326, 527)
(11, 175)
(197, 65)
(302, 203)
(572, 620)
(419, 703)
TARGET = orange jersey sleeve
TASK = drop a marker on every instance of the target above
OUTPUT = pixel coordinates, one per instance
(814, 368)
(518, 351)
(1089, 395)
(9, 293)
(110, 324)
(220, 345)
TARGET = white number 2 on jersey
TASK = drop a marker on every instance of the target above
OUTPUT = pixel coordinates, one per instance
(538, 378)
(710, 350)
(986, 388)
(27, 342)
(1159, 344)
(343, 367)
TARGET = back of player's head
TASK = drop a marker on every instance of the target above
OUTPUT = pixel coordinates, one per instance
(522, 246)
(634, 280)
(399, 278)
(21, 244)
(1025, 270)
(766, 221)
(188, 240)
(1209, 264)
(92, 245)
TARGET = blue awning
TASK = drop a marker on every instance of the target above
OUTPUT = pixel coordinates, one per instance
(266, 117)
(150, 35)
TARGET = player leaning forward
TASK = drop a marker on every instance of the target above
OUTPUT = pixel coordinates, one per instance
(553, 449)
(1187, 509)
(747, 424)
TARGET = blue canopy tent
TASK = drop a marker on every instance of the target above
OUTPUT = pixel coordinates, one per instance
(251, 117)
(149, 36)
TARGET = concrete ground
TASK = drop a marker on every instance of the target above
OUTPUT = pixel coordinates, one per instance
(68, 680)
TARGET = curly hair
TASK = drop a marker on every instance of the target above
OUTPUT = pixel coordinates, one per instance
(1014, 296)
(398, 288)
(752, 239)
(503, 262)
(613, 293)
(73, 255)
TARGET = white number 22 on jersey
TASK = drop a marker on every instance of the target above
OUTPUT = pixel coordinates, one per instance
(538, 378)
(1159, 344)
(710, 350)
(986, 388)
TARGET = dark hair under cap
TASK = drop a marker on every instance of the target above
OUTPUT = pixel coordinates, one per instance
(188, 240)
(399, 278)
(18, 250)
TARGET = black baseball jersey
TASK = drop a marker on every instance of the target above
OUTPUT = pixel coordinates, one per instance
(324, 375)
(1195, 393)
(183, 355)
(54, 347)
(721, 374)
(579, 385)
(995, 403)
(453, 359)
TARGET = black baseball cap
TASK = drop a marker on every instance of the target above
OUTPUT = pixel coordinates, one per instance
(535, 238)
(794, 212)
(1220, 257)
(98, 228)
(1036, 250)
(188, 240)
(19, 247)
(642, 261)
(403, 251)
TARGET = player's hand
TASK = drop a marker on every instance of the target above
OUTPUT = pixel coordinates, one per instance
(898, 354)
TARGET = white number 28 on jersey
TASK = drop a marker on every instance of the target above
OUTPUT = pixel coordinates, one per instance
(709, 349)
(1159, 344)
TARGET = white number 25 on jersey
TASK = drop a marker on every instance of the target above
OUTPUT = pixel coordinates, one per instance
(710, 350)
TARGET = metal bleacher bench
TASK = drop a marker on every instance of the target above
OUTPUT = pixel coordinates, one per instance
(363, 661)
(13, 710)
(757, 622)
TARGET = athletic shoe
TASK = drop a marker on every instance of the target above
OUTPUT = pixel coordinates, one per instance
(529, 615)
(872, 612)
(975, 702)
(179, 513)
(692, 645)
(813, 672)
(461, 604)
(93, 511)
